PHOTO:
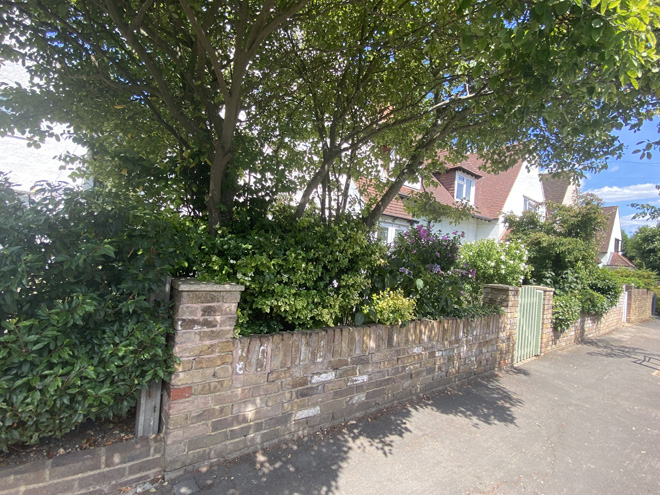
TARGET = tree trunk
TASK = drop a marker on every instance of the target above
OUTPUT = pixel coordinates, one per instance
(315, 181)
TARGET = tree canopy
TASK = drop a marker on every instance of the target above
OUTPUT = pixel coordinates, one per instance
(643, 248)
(207, 104)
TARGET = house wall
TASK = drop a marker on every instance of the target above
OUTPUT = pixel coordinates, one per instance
(230, 396)
(474, 229)
(527, 185)
(26, 165)
(616, 232)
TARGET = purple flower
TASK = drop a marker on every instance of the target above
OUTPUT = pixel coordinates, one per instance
(405, 271)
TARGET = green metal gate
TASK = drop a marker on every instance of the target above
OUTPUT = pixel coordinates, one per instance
(530, 316)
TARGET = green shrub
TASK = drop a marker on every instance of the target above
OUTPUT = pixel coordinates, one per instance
(604, 283)
(390, 307)
(80, 329)
(565, 311)
(494, 263)
(639, 277)
(591, 302)
(297, 274)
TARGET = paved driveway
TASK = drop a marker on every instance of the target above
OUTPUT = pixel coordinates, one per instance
(580, 421)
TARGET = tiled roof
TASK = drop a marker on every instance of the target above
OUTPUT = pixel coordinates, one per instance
(491, 193)
(492, 190)
(621, 261)
(554, 188)
(395, 208)
(606, 235)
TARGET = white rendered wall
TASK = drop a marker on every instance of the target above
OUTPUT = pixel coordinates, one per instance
(24, 165)
(527, 185)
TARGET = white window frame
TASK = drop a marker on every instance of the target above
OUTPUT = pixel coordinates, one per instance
(530, 204)
(463, 180)
(392, 230)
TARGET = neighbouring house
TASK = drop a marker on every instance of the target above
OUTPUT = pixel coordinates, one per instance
(492, 196)
(560, 190)
(27, 165)
(610, 242)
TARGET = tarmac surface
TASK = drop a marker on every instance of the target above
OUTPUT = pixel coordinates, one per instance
(585, 420)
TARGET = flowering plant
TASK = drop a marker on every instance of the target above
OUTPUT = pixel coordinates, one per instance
(493, 263)
(423, 265)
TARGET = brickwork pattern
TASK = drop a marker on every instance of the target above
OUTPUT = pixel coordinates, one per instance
(587, 327)
(640, 302)
(506, 297)
(95, 471)
(230, 396)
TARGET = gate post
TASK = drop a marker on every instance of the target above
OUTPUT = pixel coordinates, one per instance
(547, 332)
(204, 319)
(507, 297)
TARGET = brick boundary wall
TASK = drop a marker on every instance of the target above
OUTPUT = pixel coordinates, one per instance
(94, 471)
(640, 304)
(232, 396)
(587, 327)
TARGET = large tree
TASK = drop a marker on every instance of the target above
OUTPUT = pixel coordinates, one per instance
(224, 100)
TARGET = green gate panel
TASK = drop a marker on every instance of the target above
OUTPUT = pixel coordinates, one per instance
(530, 318)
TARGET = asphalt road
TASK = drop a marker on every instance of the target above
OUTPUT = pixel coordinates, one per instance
(580, 421)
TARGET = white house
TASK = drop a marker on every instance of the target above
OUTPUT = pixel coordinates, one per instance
(492, 196)
(26, 165)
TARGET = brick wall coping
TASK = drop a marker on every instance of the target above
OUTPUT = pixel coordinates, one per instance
(193, 285)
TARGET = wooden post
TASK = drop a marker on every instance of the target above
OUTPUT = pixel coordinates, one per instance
(148, 410)
(147, 417)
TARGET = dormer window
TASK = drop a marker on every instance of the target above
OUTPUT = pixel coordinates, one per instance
(530, 204)
(464, 188)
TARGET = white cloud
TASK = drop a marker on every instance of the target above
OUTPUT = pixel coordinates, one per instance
(613, 168)
(631, 224)
(615, 193)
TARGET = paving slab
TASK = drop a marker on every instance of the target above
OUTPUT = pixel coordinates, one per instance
(585, 420)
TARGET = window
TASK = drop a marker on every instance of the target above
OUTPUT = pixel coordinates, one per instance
(387, 232)
(617, 245)
(464, 188)
(530, 204)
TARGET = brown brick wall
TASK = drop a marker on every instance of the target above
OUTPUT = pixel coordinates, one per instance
(230, 396)
(640, 302)
(95, 471)
(587, 327)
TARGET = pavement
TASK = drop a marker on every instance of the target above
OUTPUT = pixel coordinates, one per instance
(585, 420)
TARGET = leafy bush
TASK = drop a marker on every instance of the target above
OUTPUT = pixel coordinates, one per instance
(389, 307)
(297, 274)
(565, 311)
(424, 266)
(640, 277)
(604, 283)
(494, 263)
(591, 302)
(81, 331)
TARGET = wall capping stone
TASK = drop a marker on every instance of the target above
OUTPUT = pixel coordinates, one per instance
(193, 285)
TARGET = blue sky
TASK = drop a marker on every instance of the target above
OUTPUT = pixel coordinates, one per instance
(629, 180)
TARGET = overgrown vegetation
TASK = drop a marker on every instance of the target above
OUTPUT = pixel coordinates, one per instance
(563, 250)
(81, 329)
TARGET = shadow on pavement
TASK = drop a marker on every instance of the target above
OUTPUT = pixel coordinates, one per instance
(603, 348)
(313, 465)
